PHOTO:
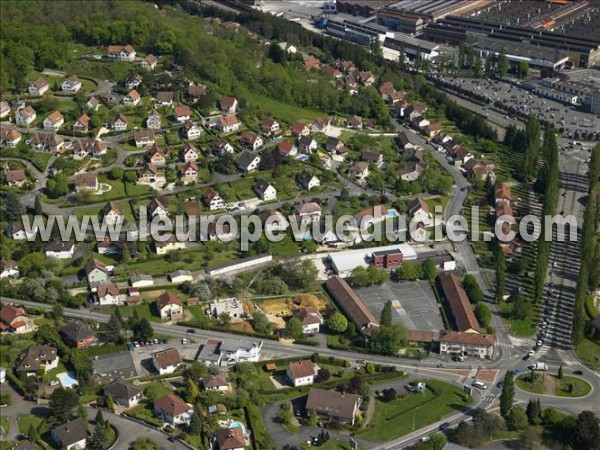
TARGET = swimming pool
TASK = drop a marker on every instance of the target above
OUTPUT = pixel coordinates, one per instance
(392, 213)
(235, 424)
(67, 379)
(302, 157)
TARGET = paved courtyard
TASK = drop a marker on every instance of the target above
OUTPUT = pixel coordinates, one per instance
(414, 304)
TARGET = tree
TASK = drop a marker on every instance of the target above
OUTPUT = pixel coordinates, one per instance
(32, 434)
(429, 269)
(57, 312)
(483, 314)
(523, 68)
(13, 207)
(298, 275)
(261, 323)
(284, 415)
(560, 372)
(116, 173)
(294, 328)
(114, 327)
(517, 419)
(64, 404)
(503, 64)
(508, 394)
(125, 254)
(388, 340)
(196, 422)
(386, 314)
(99, 420)
(37, 206)
(337, 323)
(534, 411)
(521, 308)
(587, 431)
(191, 390)
(142, 331)
(98, 439)
(109, 402)
(322, 375)
(436, 441)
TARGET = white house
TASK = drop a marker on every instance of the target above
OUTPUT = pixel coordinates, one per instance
(216, 383)
(307, 144)
(179, 276)
(182, 114)
(71, 435)
(60, 249)
(38, 87)
(153, 121)
(121, 52)
(169, 306)
(234, 350)
(71, 84)
(301, 373)
(17, 232)
(124, 394)
(173, 410)
(265, 191)
(248, 162)
(166, 361)
(419, 210)
(310, 318)
(213, 200)
(307, 181)
(133, 98)
(54, 121)
(189, 152)
(9, 269)
(191, 131)
(108, 294)
(251, 141)
(25, 116)
(139, 280)
(228, 124)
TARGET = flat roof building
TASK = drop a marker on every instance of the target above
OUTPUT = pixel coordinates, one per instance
(345, 261)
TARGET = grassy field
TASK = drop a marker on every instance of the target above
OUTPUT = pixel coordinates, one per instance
(280, 110)
(589, 353)
(525, 383)
(144, 412)
(38, 159)
(580, 387)
(396, 418)
(27, 420)
(518, 328)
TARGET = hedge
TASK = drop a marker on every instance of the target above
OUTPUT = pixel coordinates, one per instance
(260, 436)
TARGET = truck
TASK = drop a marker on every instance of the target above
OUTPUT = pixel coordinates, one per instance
(539, 366)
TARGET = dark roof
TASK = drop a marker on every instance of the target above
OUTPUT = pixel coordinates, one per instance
(352, 304)
(70, 432)
(304, 178)
(457, 299)
(59, 246)
(332, 403)
(77, 331)
(122, 390)
(112, 362)
(34, 356)
(245, 159)
(215, 381)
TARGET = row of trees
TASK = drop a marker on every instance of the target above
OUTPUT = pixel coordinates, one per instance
(590, 253)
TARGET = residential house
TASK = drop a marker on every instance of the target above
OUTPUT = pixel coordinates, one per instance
(14, 319)
(151, 175)
(503, 194)
(133, 98)
(273, 221)
(71, 435)
(366, 78)
(170, 245)
(17, 232)
(191, 131)
(82, 124)
(133, 81)
(419, 211)
(337, 406)
(269, 126)
(456, 343)
(121, 52)
(228, 124)
(96, 271)
(154, 120)
(307, 180)
(93, 104)
(182, 114)
(333, 72)
(248, 162)
(220, 232)
(25, 116)
(287, 47)
(228, 104)
(310, 318)
(139, 280)
(321, 124)
(173, 410)
(411, 171)
(301, 373)
(169, 306)
(352, 305)
(164, 98)
(189, 152)
(373, 158)
(9, 269)
(124, 394)
(196, 90)
(120, 123)
(231, 439)
(71, 84)
(180, 276)
(308, 212)
(89, 147)
(218, 382)
(188, 173)
(4, 110)
(287, 148)
(78, 335)
(48, 141)
(10, 137)
(149, 62)
(359, 170)
(265, 191)
(457, 300)
(86, 182)
(36, 359)
(213, 200)
(38, 87)
(60, 249)
(307, 144)
(143, 138)
(157, 208)
(156, 157)
(108, 247)
(432, 129)
(15, 178)
(251, 141)
(311, 63)
(166, 361)
(299, 129)
(460, 154)
(108, 294)
(54, 121)
(354, 122)
(236, 350)
(334, 145)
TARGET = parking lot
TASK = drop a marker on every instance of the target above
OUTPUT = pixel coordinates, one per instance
(570, 122)
(142, 356)
(414, 304)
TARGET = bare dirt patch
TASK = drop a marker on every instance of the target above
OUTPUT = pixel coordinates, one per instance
(285, 305)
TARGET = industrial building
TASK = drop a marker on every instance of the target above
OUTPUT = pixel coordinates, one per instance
(345, 261)
(411, 46)
(361, 33)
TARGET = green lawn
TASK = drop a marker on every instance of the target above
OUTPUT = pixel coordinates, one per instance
(144, 412)
(525, 383)
(5, 423)
(27, 420)
(280, 110)
(518, 328)
(580, 387)
(396, 418)
(38, 159)
(589, 353)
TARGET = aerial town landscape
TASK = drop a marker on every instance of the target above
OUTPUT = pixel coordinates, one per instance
(259, 224)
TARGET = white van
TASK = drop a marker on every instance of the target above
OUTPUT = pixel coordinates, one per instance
(480, 385)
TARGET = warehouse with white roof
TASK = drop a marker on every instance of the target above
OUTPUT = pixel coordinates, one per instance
(344, 262)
